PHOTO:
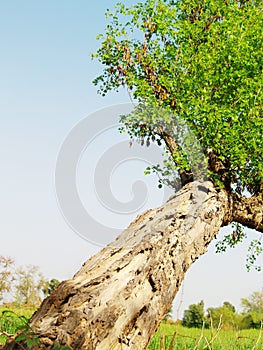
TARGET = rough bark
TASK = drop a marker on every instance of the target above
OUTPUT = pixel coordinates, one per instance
(247, 211)
(120, 295)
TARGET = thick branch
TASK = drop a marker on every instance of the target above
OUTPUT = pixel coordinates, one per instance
(216, 166)
(247, 211)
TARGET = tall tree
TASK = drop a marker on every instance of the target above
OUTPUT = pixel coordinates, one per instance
(194, 316)
(6, 275)
(223, 316)
(252, 310)
(201, 63)
(29, 285)
(253, 303)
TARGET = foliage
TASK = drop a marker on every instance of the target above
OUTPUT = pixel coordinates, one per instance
(254, 303)
(23, 285)
(50, 286)
(201, 60)
(229, 306)
(6, 275)
(12, 322)
(251, 320)
(223, 316)
(16, 322)
(232, 239)
(254, 250)
(237, 235)
(29, 284)
(194, 317)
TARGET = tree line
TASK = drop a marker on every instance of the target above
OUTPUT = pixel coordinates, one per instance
(226, 315)
(23, 285)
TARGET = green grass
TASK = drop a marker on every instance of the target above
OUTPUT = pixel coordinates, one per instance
(12, 320)
(175, 337)
(168, 336)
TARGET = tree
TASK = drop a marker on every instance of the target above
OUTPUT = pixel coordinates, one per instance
(50, 286)
(224, 315)
(229, 306)
(191, 66)
(251, 320)
(253, 303)
(29, 284)
(194, 317)
(6, 275)
(252, 310)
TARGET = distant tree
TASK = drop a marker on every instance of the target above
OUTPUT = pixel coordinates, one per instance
(29, 285)
(254, 303)
(225, 315)
(251, 320)
(194, 317)
(6, 275)
(229, 306)
(50, 286)
(252, 310)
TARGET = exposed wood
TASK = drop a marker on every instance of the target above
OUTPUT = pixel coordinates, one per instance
(120, 295)
(247, 211)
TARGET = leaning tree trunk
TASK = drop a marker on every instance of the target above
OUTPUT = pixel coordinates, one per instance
(120, 295)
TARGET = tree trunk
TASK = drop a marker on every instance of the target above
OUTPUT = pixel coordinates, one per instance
(120, 295)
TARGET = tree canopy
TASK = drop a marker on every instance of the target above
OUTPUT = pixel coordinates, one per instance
(203, 61)
(253, 303)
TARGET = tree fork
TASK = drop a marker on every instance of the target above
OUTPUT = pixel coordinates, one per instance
(120, 295)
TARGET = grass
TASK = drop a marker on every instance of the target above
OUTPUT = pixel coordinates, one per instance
(169, 336)
(12, 320)
(176, 337)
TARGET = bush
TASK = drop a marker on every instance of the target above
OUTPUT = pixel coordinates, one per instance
(194, 317)
(251, 320)
(224, 315)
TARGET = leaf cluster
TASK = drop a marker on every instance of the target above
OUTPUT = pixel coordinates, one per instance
(202, 61)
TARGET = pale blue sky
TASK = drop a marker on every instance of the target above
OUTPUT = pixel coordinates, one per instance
(45, 90)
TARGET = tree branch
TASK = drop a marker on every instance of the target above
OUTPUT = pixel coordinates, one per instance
(247, 211)
(186, 176)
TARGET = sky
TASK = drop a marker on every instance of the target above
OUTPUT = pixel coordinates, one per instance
(56, 129)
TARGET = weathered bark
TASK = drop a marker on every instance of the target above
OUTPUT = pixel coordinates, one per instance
(247, 211)
(120, 295)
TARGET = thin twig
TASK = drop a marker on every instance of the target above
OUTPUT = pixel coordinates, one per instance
(201, 337)
(259, 336)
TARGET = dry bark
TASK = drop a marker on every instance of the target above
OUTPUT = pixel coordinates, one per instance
(247, 211)
(120, 295)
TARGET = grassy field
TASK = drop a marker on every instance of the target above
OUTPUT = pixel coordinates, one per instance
(174, 337)
(12, 320)
(168, 336)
